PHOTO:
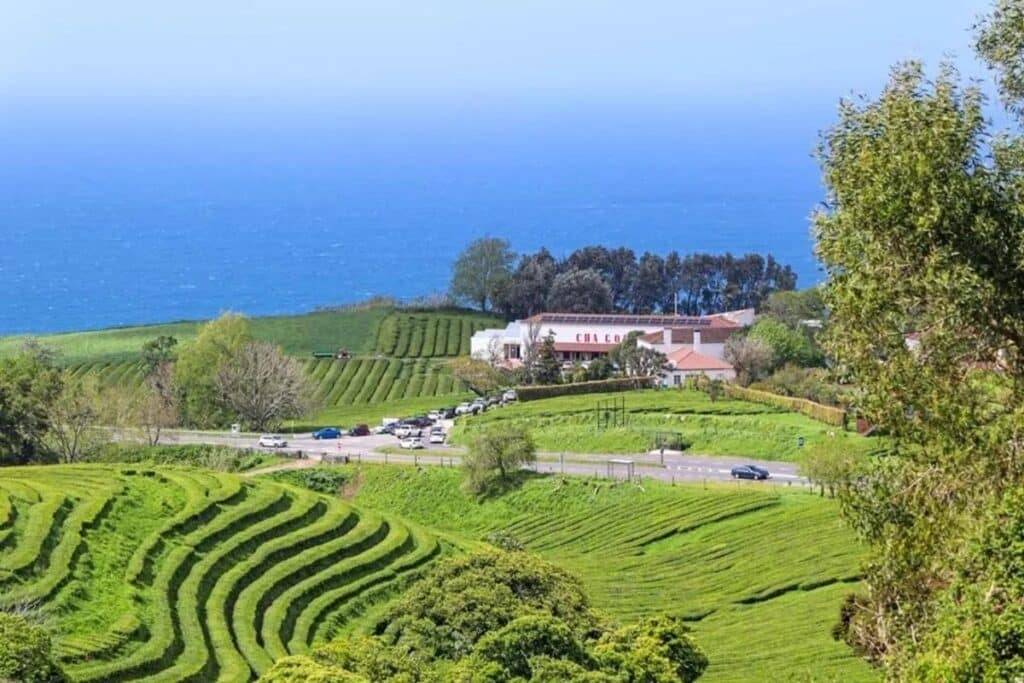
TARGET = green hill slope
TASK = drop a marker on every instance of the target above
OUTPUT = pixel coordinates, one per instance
(178, 574)
(760, 572)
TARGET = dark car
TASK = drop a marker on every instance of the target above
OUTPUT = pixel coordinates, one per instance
(327, 433)
(750, 472)
(448, 413)
(359, 430)
(419, 421)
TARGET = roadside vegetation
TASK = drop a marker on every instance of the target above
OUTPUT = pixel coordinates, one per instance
(677, 417)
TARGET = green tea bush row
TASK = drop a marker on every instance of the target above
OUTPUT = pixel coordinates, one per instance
(533, 393)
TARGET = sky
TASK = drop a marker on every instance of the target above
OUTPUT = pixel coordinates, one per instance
(448, 56)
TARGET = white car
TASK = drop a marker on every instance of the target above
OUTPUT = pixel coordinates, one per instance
(463, 409)
(412, 442)
(405, 431)
(436, 415)
(272, 441)
(509, 395)
(437, 437)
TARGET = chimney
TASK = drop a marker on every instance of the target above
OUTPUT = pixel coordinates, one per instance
(666, 338)
(696, 341)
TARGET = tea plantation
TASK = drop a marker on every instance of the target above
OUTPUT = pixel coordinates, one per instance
(760, 572)
(174, 574)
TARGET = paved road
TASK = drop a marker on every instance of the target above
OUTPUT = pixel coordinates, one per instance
(667, 467)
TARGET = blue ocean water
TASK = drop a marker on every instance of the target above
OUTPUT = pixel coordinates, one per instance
(124, 220)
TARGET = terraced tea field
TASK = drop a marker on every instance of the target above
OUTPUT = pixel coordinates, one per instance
(430, 335)
(165, 574)
(761, 573)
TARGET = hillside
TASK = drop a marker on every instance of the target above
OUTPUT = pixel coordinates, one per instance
(363, 331)
(723, 427)
(761, 572)
(181, 574)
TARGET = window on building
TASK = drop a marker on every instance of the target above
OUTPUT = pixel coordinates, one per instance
(677, 380)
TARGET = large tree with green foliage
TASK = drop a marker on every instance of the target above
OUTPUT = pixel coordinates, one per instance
(199, 362)
(923, 232)
(30, 384)
(482, 271)
(580, 291)
(496, 453)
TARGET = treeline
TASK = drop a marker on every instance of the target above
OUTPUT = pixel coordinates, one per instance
(595, 279)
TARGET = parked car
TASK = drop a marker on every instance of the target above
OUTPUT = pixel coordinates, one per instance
(419, 421)
(463, 409)
(406, 430)
(436, 415)
(359, 430)
(327, 433)
(436, 437)
(448, 413)
(750, 472)
(509, 396)
(389, 428)
(412, 442)
(272, 441)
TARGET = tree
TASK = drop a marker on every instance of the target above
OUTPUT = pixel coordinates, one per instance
(200, 362)
(497, 451)
(793, 307)
(649, 286)
(157, 352)
(548, 368)
(263, 386)
(751, 358)
(482, 270)
(29, 386)
(637, 361)
(479, 375)
(75, 420)
(26, 652)
(922, 232)
(151, 410)
(526, 292)
(657, 649)
(832, 467)
(788, 345)
(580, 291)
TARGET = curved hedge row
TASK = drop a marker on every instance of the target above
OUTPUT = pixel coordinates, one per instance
(170, 574)
(429, 335)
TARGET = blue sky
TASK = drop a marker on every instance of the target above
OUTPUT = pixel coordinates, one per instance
(508, 54)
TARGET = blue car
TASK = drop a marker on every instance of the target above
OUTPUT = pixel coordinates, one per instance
(327, 433)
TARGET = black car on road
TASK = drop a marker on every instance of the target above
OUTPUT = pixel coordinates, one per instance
(749, 472)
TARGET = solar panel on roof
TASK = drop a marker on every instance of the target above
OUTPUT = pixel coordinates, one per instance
(587, 319)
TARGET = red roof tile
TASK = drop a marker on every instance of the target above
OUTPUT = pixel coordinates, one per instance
(688, 359)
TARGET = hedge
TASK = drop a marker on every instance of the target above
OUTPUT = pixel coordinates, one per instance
(532, 393)
(816, 411)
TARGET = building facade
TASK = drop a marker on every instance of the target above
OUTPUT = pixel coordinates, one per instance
(581, 337)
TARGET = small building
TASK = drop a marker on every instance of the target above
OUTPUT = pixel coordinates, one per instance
(686, 362)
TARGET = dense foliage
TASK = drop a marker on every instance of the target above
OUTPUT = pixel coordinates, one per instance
(25, 652)
(923, 233)
(495, 454)
(502, 616)
(595, 279)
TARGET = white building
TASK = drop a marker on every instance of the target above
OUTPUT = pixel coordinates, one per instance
(581, 337)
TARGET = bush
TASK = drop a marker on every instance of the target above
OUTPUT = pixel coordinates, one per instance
(533, 393)
(221, 458)
(25, 652)
(816, 411)
(810, 383)
(320, 479)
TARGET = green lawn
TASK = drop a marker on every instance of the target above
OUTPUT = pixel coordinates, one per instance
(724, 427)
(300, 335)
(760, 572)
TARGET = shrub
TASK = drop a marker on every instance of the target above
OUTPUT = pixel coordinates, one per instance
(533, 393)
(657, 649)
(319, 479)
(25, 652)
(816, 411)
(221, 458)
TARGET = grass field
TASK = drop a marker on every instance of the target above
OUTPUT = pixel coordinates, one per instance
(172, 574)
(299, 335)
(724, 427)
(760, 572)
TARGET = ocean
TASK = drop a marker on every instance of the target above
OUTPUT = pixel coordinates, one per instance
(122, 220)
